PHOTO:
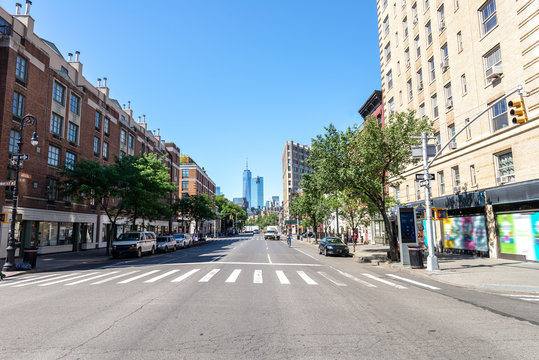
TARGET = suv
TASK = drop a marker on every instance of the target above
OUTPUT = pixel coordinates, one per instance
(271, 235)
(134, 242)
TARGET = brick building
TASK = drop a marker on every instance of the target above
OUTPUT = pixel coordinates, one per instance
(75, 120)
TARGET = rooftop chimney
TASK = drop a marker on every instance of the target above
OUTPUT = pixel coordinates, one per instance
(69, 57)
(98, 82)
(27, 10)
(144, 119)
(105, 82)
(77, 53)
(18, 8)
(129, 104)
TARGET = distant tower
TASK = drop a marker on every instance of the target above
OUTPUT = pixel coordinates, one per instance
(257, 192)
(247, 184)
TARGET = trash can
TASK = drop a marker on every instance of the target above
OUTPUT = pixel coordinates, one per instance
(416, 258)
(30, 256)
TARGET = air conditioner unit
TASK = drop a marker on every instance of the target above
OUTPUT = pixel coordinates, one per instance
(502, 179)
(407, 63)
(442, 25)
(449, 103)
(445, 64)
(456, 189)
(420, 86)
(415, 20)
(494, 72)
(452, 145)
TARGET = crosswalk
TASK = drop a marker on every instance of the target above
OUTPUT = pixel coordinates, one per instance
(255, 276)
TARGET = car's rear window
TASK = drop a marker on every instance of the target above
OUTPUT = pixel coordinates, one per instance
(179, 236)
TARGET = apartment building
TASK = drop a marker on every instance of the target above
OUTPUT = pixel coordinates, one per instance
(74, 120)
(450, 60)
(293, 166)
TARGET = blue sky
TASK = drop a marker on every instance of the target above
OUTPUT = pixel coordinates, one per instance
(226, 80)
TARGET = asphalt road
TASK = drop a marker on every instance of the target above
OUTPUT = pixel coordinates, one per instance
(247, 298)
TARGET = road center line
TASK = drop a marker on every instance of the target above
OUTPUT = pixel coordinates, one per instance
(269, 259)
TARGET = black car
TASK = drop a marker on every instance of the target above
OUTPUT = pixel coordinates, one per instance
(333, 246)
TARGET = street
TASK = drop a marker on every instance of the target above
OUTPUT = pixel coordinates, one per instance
(244, 298)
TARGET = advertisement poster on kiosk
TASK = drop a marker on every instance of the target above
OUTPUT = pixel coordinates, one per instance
(519, 234)
(465, 233)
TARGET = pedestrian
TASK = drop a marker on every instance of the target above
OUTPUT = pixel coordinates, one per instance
(355, 237)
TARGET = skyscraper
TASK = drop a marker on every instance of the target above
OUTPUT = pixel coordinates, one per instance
(247, 185)
(257, 195)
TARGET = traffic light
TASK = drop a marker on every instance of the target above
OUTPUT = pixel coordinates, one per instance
(518, 111)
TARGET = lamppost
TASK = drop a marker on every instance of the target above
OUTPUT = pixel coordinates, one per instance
(27, 120)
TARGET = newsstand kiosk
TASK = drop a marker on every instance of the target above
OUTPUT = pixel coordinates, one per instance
(408, 237)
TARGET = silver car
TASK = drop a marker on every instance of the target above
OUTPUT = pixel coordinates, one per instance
(166, 243)
(183, 241)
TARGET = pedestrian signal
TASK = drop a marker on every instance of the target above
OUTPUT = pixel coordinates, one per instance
(439, 214)
(518, 111)
(3, 217)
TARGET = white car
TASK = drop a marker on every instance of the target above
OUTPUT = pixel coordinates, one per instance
(183, 241)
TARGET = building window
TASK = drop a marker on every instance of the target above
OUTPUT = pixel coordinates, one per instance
(450, 134)
(54, 156)
(468, 129)
(407, 193)
(505, 170)
(456, 3)
(387, 52)
(185, 185)
(444, 53)
(432, 70)
(391, 106)
(106, 126)
(448, 97)
(18, 104)
(58, 93)
(493, 62)
(463, 84)
(185, 173)
(428, 33)
(456, 178)
(414, 13)
(56, 124)
(397, 194)
(97, 120)
(389, 76)
(123, 138)
(72, 132)
(20, 70)
(405, 28)
(70, 160)
(459, 41)
(488, 16)
(410, 90)
(438, 137)
(52, 189)
(407, 57)
(473, 175)
(96, 146)
(441, 183)
(422, 111)
(499, 115)
(420, 80)
(417, 47)
(434, 106)
(105, 150)
(74, 104)
(386, 25)
(131, 141)
(13, 140)
(441, 18)
(426, 4)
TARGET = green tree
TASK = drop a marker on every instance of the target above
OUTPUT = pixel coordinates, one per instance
(227, 208)
(362, 160)
(201, 209)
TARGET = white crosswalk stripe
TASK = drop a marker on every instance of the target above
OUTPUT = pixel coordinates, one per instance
(15, 281)
(41, 280)
(185, 276)
(331, 279)
(257, 277)
(113, 278)
(384, 281)
(68, 279)
(138, 277)
(92, 278)
(234, 276)
(209, 275)
(282, 277)
(413, 282)
(368, 284)
(306, 278)
(157, 278)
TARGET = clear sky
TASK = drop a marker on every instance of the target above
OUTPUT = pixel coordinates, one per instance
(225, 80)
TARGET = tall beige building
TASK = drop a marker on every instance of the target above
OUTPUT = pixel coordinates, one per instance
(450, 60)
(294, 167)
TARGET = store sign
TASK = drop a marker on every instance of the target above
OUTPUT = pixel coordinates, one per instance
(466, 233)
(519, 234)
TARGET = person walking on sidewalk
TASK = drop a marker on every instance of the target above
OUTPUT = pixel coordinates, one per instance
(355, 237)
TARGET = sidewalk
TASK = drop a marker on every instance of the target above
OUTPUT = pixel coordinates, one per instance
(464, 270)
(51, 262)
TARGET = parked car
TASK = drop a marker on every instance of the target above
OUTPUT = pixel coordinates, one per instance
(166, 243)
(134, 243)
(271, 235)
(333, 246)
(183, 241)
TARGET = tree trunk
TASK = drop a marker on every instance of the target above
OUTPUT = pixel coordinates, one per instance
(390, 236)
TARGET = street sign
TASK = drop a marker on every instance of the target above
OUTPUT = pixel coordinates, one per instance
(422, 177)
(424, 183)
(20, 156)
(25, 176)
(417, 151)
(7, 183)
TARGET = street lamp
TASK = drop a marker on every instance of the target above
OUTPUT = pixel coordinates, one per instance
(29, 119)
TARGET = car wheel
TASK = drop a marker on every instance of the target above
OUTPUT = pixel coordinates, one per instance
(139, 252)
(115, 256)
(319, 251)
(174, 248)
(152, 252)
